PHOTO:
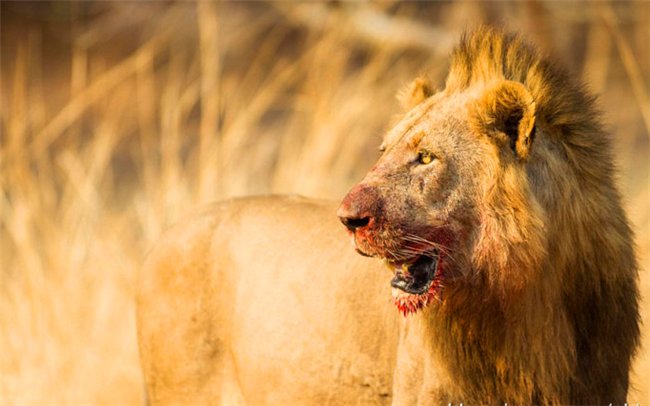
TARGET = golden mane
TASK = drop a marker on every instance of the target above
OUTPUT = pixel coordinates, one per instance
(587, 265)
(562, 102)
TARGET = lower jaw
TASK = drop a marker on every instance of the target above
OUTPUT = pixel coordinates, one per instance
(408, 303)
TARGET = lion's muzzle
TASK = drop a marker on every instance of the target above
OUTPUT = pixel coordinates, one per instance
(358, 209)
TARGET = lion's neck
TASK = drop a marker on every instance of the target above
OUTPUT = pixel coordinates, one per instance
(478, 347)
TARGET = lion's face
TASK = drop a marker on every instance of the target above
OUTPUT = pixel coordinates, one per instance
(420, 207)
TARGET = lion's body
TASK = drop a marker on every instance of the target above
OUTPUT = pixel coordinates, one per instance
(502, 183)
(224, 319)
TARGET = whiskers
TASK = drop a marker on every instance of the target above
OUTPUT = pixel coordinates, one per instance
(400, 254)
(424, 246)
(406, 247)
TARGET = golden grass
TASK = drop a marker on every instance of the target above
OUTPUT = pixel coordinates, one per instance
(145, 110)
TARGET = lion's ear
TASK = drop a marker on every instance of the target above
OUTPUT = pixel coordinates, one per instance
(507, 112)
(415, 93)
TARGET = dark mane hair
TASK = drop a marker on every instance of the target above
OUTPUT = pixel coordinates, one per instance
(562, 102)
(586, 242)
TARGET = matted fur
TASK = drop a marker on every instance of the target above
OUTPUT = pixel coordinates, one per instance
(544, 307)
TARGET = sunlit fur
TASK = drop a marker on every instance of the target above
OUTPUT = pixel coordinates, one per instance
(545, 309)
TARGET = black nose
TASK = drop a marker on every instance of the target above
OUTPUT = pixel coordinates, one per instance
(353, 223)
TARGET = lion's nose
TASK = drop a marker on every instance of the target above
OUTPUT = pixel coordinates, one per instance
(353, 223)
(357, 208)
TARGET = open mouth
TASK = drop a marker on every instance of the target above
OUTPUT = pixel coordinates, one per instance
(417, 275)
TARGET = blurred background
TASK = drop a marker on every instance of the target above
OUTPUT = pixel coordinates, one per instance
(120, 117)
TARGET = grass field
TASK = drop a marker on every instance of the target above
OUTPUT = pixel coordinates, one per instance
(120, 117)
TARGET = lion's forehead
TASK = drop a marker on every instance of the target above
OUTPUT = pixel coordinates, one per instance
(435, 116)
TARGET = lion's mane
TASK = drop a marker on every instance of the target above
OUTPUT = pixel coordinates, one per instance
(555, 319)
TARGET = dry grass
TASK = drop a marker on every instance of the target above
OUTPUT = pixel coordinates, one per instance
(119, 117)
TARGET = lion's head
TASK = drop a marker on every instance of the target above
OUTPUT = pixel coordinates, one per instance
(458, 195)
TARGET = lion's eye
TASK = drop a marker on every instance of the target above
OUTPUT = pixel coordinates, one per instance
(425, 157)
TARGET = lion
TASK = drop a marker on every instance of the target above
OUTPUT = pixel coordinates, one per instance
(497, 264)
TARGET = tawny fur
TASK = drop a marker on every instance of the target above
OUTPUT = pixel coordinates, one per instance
(570, 334)
(263, 302)
(545, 308)
(250, 303)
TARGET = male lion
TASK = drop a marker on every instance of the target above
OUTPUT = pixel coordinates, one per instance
(494, 206)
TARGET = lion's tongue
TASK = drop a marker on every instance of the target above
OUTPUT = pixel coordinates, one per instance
(417, 280)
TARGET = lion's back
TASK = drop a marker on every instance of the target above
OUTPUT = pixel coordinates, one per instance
(269, 285)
